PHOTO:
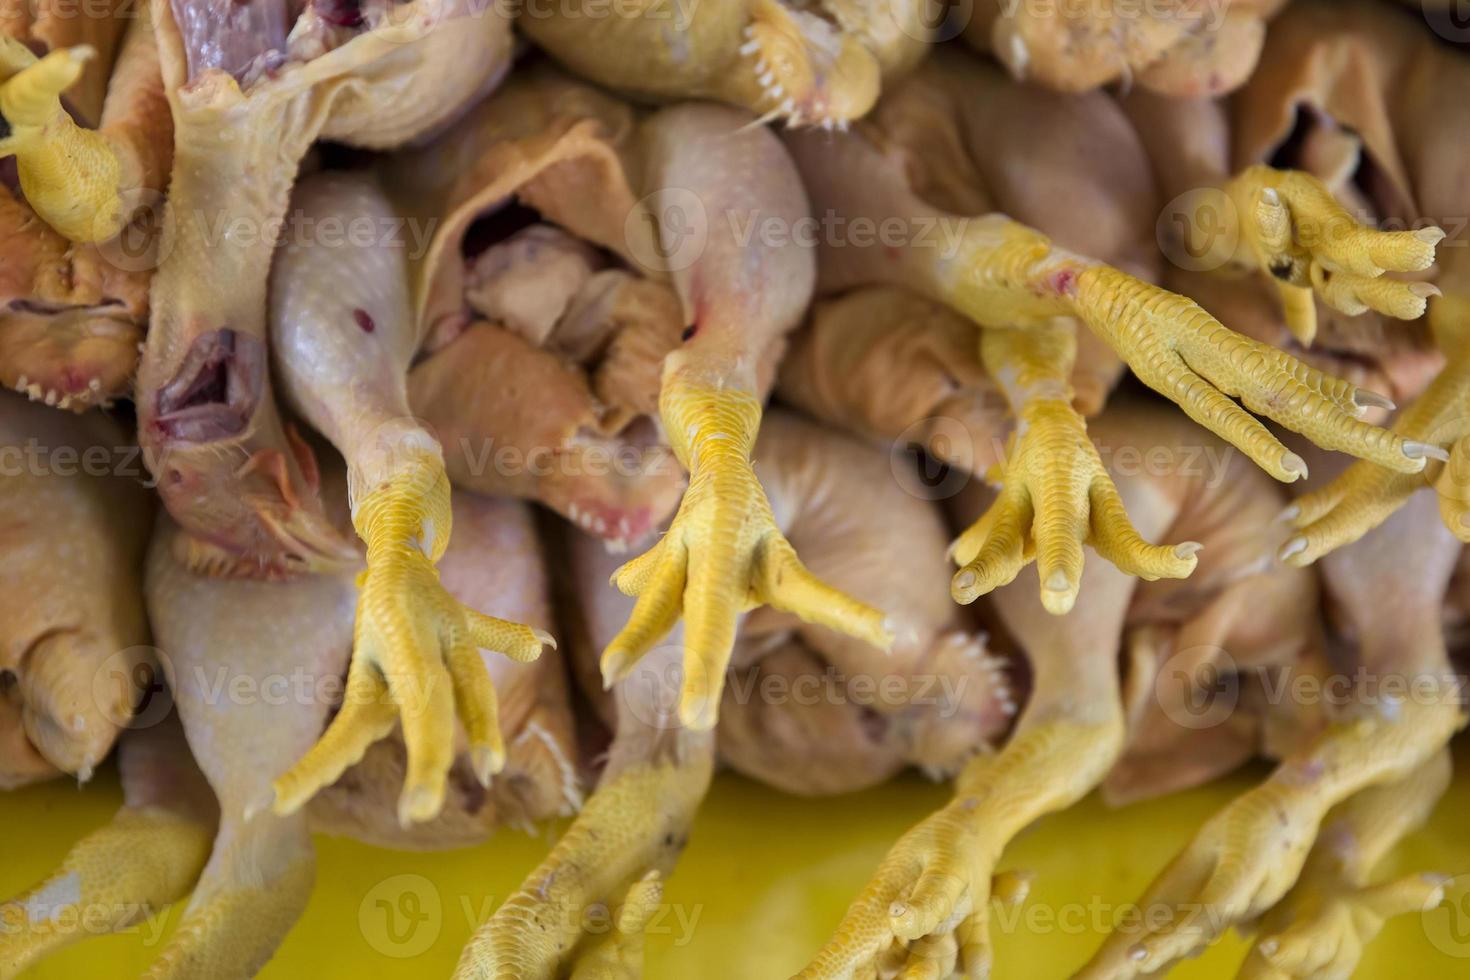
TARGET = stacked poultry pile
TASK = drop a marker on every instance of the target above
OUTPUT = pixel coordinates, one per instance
(807, 302)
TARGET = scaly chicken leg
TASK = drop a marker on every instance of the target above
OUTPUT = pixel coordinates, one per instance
(344, 337)
(146, 857)
(1250, 854)
(1005, 276)
(927, 907)
(723, 551)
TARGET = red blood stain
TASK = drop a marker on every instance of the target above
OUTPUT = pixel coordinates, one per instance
(364, 320)
(1064, 281)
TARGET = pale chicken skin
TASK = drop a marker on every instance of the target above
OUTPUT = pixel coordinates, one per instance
(255, 877)
(834, 499)
(75, 659)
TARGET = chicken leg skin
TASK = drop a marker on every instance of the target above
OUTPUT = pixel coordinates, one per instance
(630, 831)
(1295, 230)
(1249, 855)
(724, 553)
(1334, 911)
(927, 908)
(145, 858)
(73, 177)
(1056, 495)
(415, 643)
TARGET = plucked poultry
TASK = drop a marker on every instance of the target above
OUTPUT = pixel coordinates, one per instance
(229, 644)
(343, 337)
(72, 316)
(1030, 293)
(75, 660)
(928, 905)
(1175, 48)
(806, 62)
(947, 699)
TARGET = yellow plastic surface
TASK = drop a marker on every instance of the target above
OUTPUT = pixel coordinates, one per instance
(765, 878)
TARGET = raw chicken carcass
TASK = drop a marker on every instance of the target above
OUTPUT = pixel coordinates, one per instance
(73, 313)
(75, 661)
(231, 643)
(251, 87)
(1177, 48)
(946, 700)
(344, 336)
(819, 63)
(1029, 294)
(928, 905)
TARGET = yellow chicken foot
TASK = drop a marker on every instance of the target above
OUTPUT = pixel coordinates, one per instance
(1056, 495)
(1293, 228)
(1322, 926)
(1007, 275)
(414, 652)
(72, 177)
(1246, 858)
(1365, 495)
(635, 823)
(723, 553)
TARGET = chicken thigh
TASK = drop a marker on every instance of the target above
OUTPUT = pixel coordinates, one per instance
(75, 660)
(805, 709)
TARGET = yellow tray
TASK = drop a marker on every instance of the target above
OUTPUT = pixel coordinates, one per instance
(763, 882)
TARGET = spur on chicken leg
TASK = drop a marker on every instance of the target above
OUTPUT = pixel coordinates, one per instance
(927, 907)
(73, 293)
(343, 337)
(824, 735)
(1029, 294)
(1313, 831)
(233, 646)
(74, 663)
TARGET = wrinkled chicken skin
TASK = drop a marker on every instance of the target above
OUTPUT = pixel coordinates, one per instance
(72, 316)
(555, 402)
(928, 905)
(344, 335)
(1250, 855)
(1013, 280)
(242, 486)
(73, 664)
(827, 493)
(806, 63)
(1181, 49)
(264, 638)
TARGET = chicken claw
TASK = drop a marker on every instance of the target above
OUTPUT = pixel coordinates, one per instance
(1249, 855)
(1296, 230)
(636, 821)
(1364, 495)
(71, 176)
(415, 653)
(723, 554)
(1056, 493)
(1323, 924)
(928, 906)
